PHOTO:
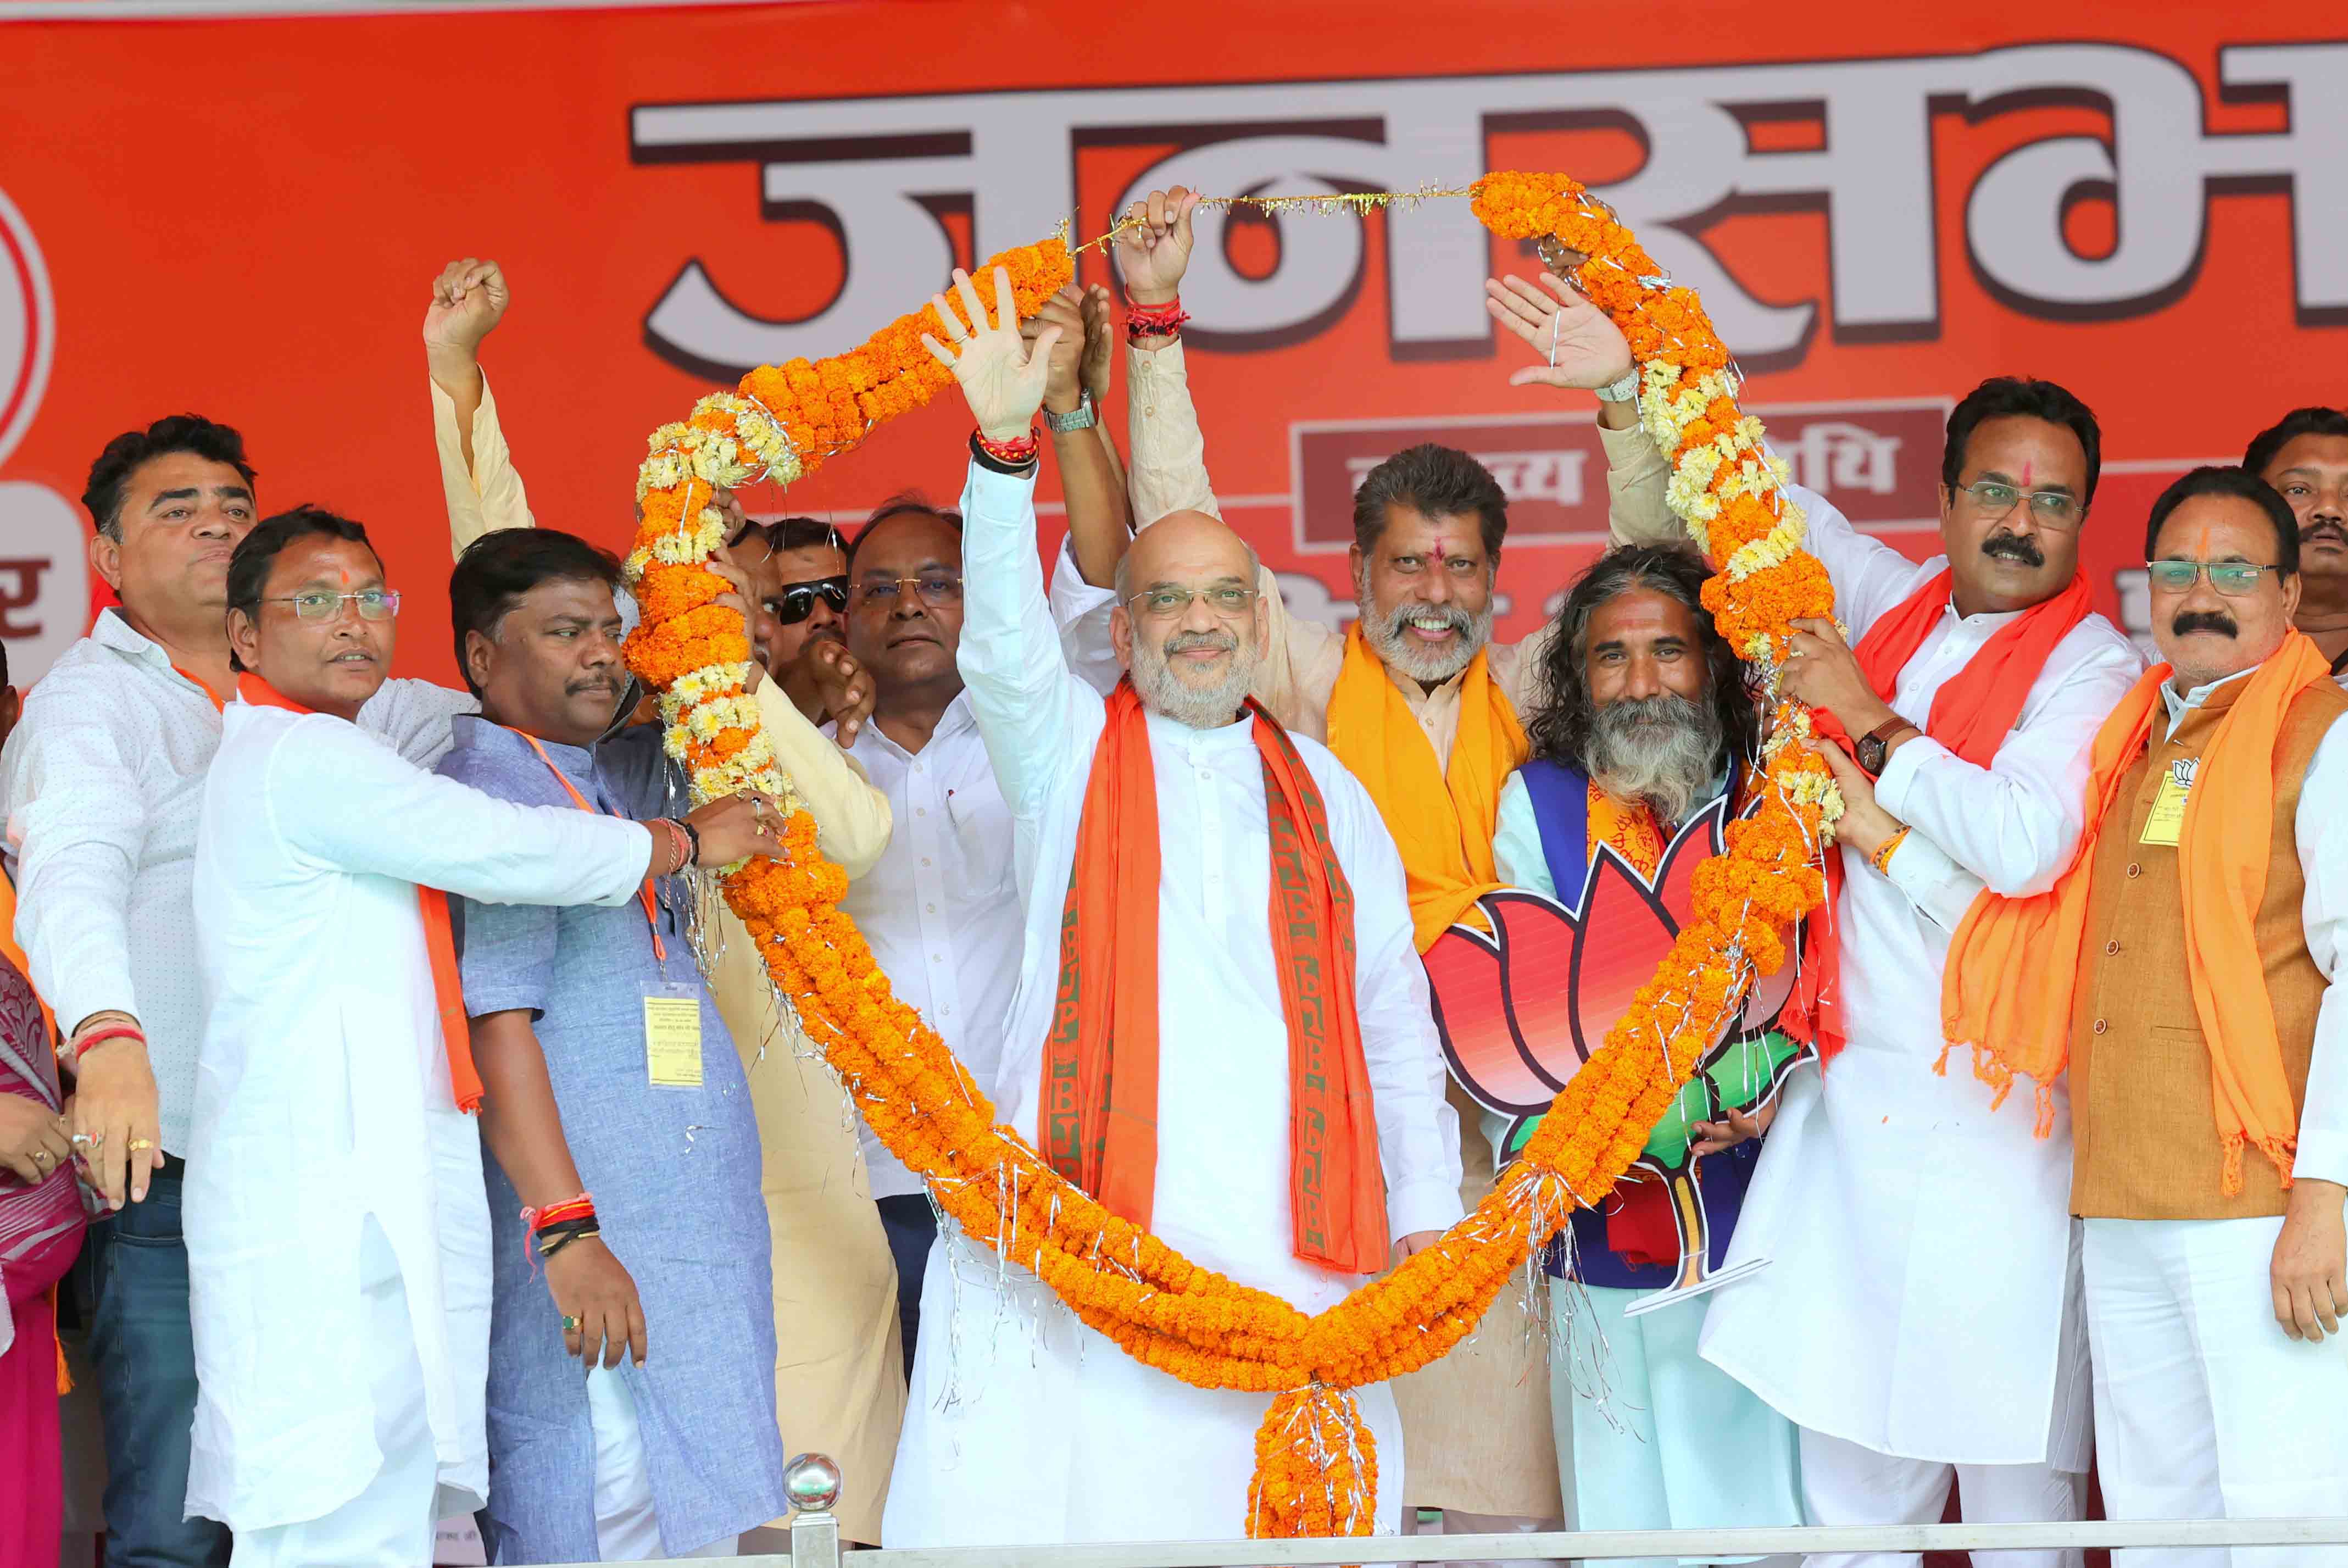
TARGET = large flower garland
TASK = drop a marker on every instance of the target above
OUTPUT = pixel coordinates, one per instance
(1316, 1467)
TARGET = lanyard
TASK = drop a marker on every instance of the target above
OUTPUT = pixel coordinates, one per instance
(644, 893)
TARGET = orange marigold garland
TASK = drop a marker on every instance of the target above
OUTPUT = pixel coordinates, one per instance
(1316, 1470)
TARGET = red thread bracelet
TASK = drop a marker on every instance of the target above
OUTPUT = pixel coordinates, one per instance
(1017, 450)
(583, 1207)
(99, 1037)
(1155, 320)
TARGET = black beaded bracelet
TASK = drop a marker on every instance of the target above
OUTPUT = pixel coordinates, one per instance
(692, 834)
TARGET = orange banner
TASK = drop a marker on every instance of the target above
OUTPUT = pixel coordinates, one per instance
(1881, 206)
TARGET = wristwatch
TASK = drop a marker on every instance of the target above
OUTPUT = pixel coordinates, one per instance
(1873, 747)
(1623, 391)
(1083, 416)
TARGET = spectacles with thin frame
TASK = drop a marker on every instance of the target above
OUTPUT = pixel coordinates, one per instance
(935, 592)
(2234, 579)
(1165, 604)
(374, 604)
(2050, 508)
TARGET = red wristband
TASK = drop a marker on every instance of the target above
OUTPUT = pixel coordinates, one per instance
(97, 1036)
(1155, 320)
(583, 1207)
(1013, 452)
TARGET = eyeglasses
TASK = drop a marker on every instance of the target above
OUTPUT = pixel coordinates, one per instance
(796, 602)
(2052, 508)
(375, 603)
(1165, 604)
(2232, 578)
(934, 590)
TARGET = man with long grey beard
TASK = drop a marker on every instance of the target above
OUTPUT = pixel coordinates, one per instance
(1277, 1111)
(1649, 720)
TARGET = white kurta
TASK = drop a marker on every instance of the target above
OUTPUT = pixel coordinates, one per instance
(1025, 1426)
(1921, 1244)
(322, 1097)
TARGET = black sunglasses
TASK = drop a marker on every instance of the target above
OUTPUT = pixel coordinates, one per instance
(796, 602)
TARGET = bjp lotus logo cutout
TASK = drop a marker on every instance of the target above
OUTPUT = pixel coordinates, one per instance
(1522, 1007)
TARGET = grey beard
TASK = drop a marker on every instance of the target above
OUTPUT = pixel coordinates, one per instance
(1391, 643)
(1201, 708)
(1658, 749)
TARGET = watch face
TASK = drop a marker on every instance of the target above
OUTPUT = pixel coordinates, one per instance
(1870, 755)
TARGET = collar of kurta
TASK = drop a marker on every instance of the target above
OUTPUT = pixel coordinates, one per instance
(254, 692)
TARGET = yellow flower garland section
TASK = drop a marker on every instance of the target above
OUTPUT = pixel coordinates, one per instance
(1316, 1467)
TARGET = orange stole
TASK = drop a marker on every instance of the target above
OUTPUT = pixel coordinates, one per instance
(1098, 1119)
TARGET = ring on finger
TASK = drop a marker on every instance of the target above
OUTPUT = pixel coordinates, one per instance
(569, 1323)
(83, 1140)
(43, 1158)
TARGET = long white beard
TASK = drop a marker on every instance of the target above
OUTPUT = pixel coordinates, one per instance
(1388, 638)
(1658, 749)
(1199, 707)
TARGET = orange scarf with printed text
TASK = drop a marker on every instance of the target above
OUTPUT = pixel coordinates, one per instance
(1442, 811)
(439, 941)
(2012, 966)
(1099, 1120)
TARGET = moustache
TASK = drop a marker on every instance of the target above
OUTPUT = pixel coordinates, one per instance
(2013, 547)
(2203, 621)
(1183, 642)
(608, 685)
(2324, 528)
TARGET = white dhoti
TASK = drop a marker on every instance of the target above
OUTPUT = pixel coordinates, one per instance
(1026, 1428)
(2204, 1407)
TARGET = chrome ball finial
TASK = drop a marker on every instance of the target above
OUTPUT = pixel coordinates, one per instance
(812, 1483)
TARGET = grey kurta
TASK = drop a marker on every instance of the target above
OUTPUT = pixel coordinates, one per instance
(675, 1173)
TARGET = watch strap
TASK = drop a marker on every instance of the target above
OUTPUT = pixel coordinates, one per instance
(1625, 391)
(1083, 416)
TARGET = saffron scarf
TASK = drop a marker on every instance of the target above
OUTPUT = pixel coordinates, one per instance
(1099, 1114)
(1442, 813)
(1973, 713)
(440, 942)
(2007, 991)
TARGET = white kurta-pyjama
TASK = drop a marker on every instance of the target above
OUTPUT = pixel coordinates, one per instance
(1023, 1426)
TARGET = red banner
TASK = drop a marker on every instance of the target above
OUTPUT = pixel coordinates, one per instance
(1881, 206)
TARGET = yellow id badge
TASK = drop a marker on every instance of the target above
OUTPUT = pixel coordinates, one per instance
(673, 1036)
(2167, 821)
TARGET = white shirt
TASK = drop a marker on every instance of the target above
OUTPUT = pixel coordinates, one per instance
(322, 1097)
(103, 779)
(1221, 1194)
(1921, 1242)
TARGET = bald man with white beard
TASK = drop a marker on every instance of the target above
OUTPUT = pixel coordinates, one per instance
(1179, 794)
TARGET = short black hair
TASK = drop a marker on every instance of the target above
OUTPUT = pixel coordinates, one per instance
(124, 454)
(2008, 396)
(256, 552)
(496, 569)
(911, 503)
(1561, 727)
(1434, 482)
(2269, 443)
(2212, 479)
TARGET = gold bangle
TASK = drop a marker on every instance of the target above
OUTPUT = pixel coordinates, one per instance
(1882, 859)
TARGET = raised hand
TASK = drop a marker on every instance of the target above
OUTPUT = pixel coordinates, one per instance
(1155, 253)
(1002, 379)
(1580, 345)
(469, 299)
(1100, 342)
(1063, 384)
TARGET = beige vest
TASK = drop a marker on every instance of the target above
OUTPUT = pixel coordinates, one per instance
(2143, 1111)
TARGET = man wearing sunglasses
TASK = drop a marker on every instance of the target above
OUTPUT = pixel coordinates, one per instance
(798, 569)
(2206, 1057)
(1923, 1245)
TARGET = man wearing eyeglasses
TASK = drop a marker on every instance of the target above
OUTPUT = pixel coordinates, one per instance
(941, 907)
(1920, 1251)
(2204, 1052)
(2304, 456)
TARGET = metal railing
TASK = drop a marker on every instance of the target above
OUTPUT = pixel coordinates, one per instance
(813, 1483)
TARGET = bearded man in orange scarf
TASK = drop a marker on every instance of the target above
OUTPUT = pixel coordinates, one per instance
(2180, 971)
(1912, 1320)
(1220, 1030)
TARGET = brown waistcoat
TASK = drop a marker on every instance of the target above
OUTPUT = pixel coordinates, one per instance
(2143, 1111)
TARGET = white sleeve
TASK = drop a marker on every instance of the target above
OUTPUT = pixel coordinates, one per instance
(1869, 576)
(342, 798)
(1026, 700)
(412, 718)
(1418, 1132)
(77, 818)
(2015, 823)
(1940, 890)
(2324, 857)
(1517, 853)
(1082, 612)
